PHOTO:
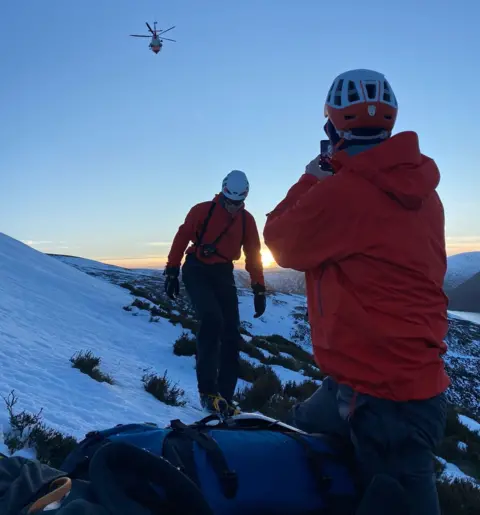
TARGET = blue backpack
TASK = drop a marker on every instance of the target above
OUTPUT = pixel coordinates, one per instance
(235, 467)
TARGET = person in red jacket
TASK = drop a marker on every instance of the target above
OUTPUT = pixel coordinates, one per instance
(217, 231)
(367, 227)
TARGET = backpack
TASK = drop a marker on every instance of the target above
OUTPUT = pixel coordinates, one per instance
(123, 480)
(234, 467)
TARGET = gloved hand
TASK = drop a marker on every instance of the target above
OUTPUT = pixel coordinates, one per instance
(259, 299)
(313, 168)
(172, 284)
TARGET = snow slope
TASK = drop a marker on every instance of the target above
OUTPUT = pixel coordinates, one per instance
(285, 316)
(281, 317)
(460, 268)
(472, 317)
(50, 310)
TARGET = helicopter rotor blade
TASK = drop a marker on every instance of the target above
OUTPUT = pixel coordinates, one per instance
(139, 36)
(149, 28)
(163, 31)
(166, 39)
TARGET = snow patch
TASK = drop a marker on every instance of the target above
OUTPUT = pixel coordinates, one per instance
(451, 473)
(471, 424)
(253, 361)
(464, 315)
(287, 375)
(266, 353)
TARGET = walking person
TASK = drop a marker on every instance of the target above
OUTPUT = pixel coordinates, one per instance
(367, 227)
(217, 231)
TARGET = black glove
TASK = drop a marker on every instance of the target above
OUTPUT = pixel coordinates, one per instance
(172, 284)
(259, 300)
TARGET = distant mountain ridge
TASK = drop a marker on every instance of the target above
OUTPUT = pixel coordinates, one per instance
(466, 297)
(462, 281)
(277, 280)
(461, 267)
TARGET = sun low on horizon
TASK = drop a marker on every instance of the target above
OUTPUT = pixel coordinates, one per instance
(268, 260)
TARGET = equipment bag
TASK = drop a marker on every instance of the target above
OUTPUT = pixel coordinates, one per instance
(123, 480)
(239, 468)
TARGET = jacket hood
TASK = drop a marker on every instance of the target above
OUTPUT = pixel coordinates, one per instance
(395, 166)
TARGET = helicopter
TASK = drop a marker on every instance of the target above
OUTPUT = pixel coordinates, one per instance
(156, 43)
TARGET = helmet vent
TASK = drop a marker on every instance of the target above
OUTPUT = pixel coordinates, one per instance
(371, 91)
(329, 96)
(388, 95)
(338, 94)
(353, 95)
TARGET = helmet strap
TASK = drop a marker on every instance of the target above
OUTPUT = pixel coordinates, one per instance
(349, 136)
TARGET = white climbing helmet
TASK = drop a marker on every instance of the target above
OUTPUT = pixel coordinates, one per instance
(235, 186)
(361, 99)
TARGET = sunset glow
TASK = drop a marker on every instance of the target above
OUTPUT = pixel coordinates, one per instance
(267, 258)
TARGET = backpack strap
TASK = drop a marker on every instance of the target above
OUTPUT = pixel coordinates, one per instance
(205, 224)
(225, 230)
(228, 479)
(152, 482)
(315, 460)
(200, 237)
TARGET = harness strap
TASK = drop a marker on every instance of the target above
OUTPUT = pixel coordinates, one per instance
(314, 459)
(200, 237)
(228, 479)
(205, 224)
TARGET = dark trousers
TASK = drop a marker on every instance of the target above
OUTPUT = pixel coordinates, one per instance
(396, 439)
(213, 293)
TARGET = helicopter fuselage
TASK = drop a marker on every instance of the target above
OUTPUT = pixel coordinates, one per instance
(156, 44)
(156, 41)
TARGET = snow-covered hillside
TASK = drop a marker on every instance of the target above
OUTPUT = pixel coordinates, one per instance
(285, 316)
(460, 268)
(285, 281)
(49, 310)
(54, 307)
(471, 317)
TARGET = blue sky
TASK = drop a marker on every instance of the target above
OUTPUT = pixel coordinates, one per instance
(105, 146)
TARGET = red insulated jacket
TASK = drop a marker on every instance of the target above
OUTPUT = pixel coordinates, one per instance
(242, 230)
(371, 241)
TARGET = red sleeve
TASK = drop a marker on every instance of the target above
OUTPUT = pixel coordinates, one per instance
(185, 234)
(251, 247)
(311, 225)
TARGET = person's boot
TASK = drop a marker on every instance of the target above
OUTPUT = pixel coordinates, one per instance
(233, 409)
(214, 403)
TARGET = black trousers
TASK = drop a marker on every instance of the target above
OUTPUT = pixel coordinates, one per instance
(397, 439)
(213, 293)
